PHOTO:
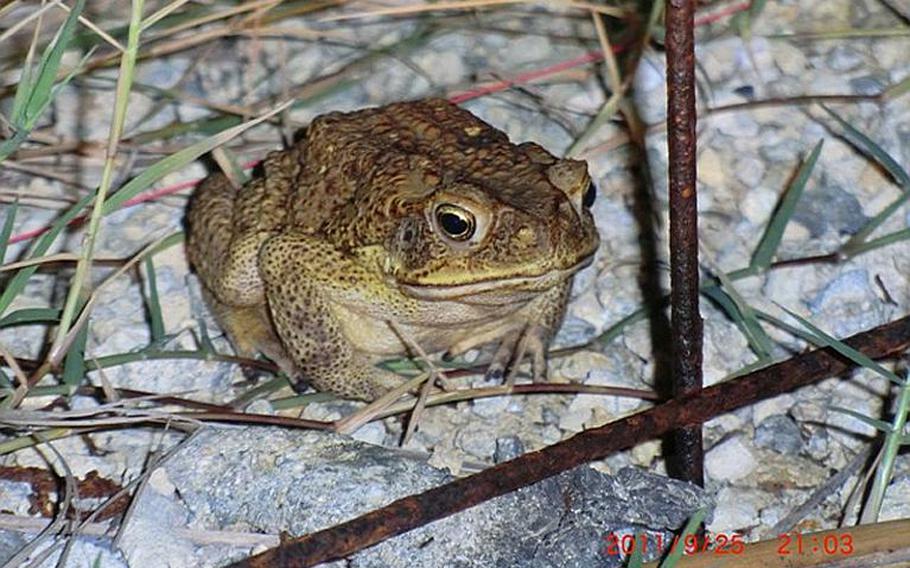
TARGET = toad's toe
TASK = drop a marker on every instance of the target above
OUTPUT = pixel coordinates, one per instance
(530, 342)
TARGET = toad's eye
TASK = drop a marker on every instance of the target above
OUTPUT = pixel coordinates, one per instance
(590, 194)
(457, 223)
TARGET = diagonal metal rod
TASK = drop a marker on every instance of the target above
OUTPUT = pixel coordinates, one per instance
(685, 458)
(414, 511)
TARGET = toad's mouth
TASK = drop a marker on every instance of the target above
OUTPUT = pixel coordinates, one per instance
(530, 285)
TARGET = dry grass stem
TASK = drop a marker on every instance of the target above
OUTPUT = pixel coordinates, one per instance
(609, 56)
(162, 13)
(464, 5)
(90, 25)
(67, 257)
(214, 16)
(31, 525)
(25, 21)
(434, 375)
(372, 411)
(21, 379)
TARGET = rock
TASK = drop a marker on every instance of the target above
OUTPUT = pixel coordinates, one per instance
(737, 509)
(448, 63)
(829, 208)
(474, 438)
(712, 169)
(844, 58)
(776, 471)
(771, 407)
(788, 58)
(526, 49)
(896, 504)
(267, 480)
(749, 171)
(730, 460)
(850, 286)
(591, 368)
(737, 125)
(758, 205)
(869, 85)
(779, 433)
(507, 448)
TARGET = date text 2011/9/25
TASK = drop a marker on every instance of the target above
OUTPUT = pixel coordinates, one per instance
(716, 543)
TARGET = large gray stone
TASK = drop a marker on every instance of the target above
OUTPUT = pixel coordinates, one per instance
(268, 480)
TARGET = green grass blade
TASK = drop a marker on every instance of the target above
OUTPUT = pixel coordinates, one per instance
(10, 144)
(201, 126)
(617, 328)
(822, 339)
(74, 363)
(896, 90)
(153, 304)
(868, 147)
(676, 552)
(27, 316)
(880, 425)
(203, 339)
(884, 473)
(857, 241)
(23, 92)
(743, 20)
(742, 314)
(637, 558)
(179, 159)
(756, 8)
(40, 92)
(882, 241)
(791, 329)
(17, 282)
(7, 229)
(77, 295)
(36, 89)
(774, 233)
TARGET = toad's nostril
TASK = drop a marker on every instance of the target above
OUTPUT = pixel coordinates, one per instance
(567, 209)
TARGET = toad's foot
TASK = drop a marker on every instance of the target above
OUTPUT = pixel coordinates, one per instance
(530, 341)
(526, 334)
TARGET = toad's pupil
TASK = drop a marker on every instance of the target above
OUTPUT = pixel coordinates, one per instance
(590, 194)
(453, 224)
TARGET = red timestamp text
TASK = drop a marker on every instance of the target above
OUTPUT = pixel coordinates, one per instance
(618, 544)
(829, 544)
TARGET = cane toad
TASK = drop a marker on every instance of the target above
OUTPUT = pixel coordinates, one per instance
(416, 212)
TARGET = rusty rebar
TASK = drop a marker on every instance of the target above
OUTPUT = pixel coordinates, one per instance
(685, 458)
(414, 511)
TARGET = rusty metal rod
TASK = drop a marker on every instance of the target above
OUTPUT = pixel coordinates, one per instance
(685, 458)
(415, 511)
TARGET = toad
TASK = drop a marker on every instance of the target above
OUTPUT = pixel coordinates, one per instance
(415, 213)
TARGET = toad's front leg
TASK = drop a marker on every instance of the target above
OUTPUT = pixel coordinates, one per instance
(304, 276)
(525, 334)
